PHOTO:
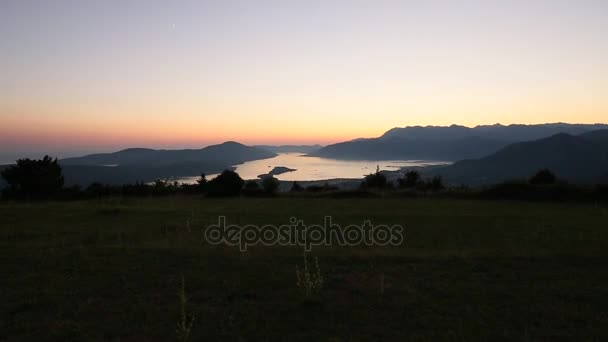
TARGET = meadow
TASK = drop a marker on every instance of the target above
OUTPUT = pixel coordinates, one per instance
(468, 270)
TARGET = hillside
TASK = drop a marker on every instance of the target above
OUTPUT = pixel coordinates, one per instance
(140, 164)
(582, 158)
(599, 137)
(406, 148)
(290, 148)
(446, 143)
(227, 153)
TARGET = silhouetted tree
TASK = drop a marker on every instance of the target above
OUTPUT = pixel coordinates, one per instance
(436, 183)
(97, 190)
(202, 183)
(270, 184)
(251, 185)
(33, 178)
(544, 176)
(433, 184)
(73, 192)
(410, 179)
(189, 188)
(322, 188)
(162, 187)
(295, 187)
(252, 188)
(228, 183)
(375, 180)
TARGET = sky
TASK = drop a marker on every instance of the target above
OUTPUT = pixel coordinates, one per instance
(81, 76)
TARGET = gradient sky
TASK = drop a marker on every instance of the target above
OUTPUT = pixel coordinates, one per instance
(101, 75)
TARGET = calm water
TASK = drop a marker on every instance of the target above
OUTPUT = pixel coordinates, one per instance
(314, 168)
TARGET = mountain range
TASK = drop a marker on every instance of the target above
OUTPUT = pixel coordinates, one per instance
(482, 154)
(290, 148)
(143, 164)
(446, 143)
(579, 158)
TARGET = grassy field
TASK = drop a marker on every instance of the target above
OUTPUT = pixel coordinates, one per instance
(468, 270)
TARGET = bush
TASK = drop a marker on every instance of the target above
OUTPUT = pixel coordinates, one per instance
(544, 176)
(522, 190)
(436, 183)
(252, 185)
(227, 184)
(322, 188)
(270, 184)
(202, 183)
(410, 180)
(375, 180)
(191, 188)
(33, 179)
(433, 184)
(71, 193)
(295, 187)
(252, 188)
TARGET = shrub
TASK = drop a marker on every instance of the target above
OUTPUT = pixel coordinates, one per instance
(33, 179)
(251, 185)
(433, 184)
(295, 187)
(270, 184)
(73, 192)
(202, 183)
(227, 184)
(437, 183)
(375, 180)
(322, 188)
(96, 190)
(190, 188)
(252, 188)
(522, 190)
(410, 179)
(544, 176)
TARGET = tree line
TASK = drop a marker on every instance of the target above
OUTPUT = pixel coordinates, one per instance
(43, 179)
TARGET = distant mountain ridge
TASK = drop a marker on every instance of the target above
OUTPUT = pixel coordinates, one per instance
(143, 164)
(578, 158)
(290, 148)
(447, 143)
(514, 132)
(229, 152)
(483, 154)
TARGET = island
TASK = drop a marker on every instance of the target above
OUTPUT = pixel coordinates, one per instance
(277, 170)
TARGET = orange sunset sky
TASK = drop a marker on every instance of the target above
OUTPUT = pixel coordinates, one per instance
(80, 76)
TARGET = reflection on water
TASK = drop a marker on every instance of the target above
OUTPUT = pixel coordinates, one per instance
(314, 168)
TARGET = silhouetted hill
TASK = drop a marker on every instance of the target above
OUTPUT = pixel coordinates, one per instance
(429, 132)
(290, 148)
(406, 148)
(600, 137)
(127, 156)
(140, 164)
(513, 133)
(582, 158)
(227, 153)
(446, 143)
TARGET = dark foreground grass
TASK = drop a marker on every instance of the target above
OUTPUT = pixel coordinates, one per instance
(468, 270)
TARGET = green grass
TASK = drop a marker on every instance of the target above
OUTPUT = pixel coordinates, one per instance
(468, 270)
